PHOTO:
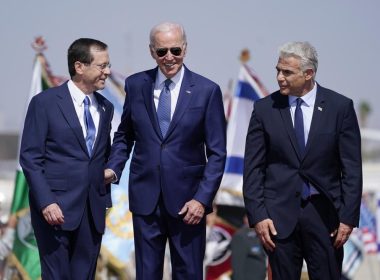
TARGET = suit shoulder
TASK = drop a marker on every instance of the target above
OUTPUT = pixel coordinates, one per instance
(197, 78)
(49, 94)
(269, 99)
(333, 96)
(139, 76)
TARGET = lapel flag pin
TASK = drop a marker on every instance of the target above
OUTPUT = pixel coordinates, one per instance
(320, 108)
(188, 91)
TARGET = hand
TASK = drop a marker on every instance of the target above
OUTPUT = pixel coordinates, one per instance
(53, 214)
(342, 234)
(109, 176)
(263, 230)
(193, 211)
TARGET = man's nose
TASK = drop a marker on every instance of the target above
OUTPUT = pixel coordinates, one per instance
(280, 76)
(107, 70)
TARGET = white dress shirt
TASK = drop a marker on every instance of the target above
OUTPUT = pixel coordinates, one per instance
(174, 87)
(78, 97)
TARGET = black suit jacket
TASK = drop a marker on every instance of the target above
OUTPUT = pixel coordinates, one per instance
(274, 168)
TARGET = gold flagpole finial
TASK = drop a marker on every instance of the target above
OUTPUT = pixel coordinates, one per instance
(245, 55)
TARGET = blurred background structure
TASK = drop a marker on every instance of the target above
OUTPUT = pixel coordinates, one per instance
(344, 35)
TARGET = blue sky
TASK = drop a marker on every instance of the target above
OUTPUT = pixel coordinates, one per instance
(344, 33)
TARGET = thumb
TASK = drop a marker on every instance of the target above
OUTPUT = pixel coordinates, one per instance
(183, 210)
(272, 228)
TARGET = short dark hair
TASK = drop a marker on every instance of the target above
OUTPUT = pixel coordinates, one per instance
(80, 50)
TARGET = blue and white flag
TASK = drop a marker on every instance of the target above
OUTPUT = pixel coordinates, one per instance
(248, 89)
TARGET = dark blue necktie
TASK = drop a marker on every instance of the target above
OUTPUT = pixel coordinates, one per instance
(90, 126)
(163, 108)
(300, 135)
(298, 126)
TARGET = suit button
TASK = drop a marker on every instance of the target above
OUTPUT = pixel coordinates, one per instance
(298, 194)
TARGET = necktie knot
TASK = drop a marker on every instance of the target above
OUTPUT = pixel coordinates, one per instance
(86, 101)
(299, 102)
(167, 83)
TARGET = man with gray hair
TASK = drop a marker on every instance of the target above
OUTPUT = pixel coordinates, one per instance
(302, 175)
(174, 119)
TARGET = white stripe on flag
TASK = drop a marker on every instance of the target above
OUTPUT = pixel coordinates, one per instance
(246, 92)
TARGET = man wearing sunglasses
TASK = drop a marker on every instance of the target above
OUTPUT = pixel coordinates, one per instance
(175, 121)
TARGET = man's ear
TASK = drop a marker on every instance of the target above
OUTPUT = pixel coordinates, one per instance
(309, 74)
(184, 50)
(79, 67)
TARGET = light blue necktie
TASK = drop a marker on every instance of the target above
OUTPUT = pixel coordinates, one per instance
(90, 126)
(163, 108)
(300, 136)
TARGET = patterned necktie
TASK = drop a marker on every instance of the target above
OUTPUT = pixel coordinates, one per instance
(300, 135)
(90, 126)
(163, 108)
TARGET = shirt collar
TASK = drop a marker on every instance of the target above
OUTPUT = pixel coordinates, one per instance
(78, 96)
(160, 80)
(308, 98)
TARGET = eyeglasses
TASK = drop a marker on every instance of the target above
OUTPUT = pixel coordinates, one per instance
(101, 67)
(161, 52)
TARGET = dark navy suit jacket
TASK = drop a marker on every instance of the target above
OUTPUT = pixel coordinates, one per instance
(55, 160)
(188, 163)
(274, 168)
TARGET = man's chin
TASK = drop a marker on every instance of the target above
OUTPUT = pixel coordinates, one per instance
(284, 91)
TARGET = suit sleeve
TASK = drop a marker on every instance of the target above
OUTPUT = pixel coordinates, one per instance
(350, 157)
(32, 154)
(215, 143)
(254, 171)
(123, 139)
(107, 154)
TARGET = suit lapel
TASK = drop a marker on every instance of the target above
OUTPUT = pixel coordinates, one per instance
(147, 92)
(66, 105)
(185, 95)
(287, 120)
(317, 119)
(102, 121)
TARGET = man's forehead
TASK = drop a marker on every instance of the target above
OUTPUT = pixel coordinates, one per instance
(288, 63)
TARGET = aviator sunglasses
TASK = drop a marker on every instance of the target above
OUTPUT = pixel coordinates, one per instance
(161, 52)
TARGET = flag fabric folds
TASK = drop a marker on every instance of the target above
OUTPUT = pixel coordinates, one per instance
(229, 199)
(25, 257)
(247, 90)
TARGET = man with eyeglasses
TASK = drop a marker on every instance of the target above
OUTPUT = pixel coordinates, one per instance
(65, 145)
(175, 121)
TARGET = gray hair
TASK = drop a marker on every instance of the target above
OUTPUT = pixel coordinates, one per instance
(166, 27)
(302, 50)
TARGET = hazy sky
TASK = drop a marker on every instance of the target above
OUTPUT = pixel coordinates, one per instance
(345, 34)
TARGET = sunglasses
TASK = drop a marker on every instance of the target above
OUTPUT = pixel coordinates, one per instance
(161, 52)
